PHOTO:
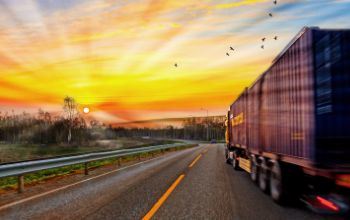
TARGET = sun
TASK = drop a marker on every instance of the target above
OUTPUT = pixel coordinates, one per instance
(86, 110)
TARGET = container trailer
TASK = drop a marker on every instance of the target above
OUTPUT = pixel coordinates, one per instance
(290, 129)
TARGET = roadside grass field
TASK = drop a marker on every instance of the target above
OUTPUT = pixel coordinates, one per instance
(10, 183)
(20, 152)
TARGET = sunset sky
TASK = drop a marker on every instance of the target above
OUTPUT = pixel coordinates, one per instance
(117, 57)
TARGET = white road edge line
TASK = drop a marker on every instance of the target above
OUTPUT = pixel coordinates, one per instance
(70, 185)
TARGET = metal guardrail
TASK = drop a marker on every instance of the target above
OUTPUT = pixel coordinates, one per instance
(21, 168)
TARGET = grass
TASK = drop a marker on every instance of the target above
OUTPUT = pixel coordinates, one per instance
(10, 183)
(20, 152)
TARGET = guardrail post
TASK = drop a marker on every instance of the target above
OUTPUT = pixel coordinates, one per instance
(119, 162)
(86, 169)
(20, 186)
(139, 157)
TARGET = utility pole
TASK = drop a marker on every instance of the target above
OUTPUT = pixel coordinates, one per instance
(190, 116)
(207, 123)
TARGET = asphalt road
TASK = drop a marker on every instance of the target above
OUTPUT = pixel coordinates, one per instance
(209, 189)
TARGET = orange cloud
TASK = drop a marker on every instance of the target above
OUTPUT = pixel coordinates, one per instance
(238, 3)
(118, 57)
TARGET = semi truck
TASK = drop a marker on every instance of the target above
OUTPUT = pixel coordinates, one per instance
(290, 129)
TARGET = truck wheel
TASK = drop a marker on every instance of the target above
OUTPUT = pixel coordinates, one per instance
(228, 161)
(286, 183)
(276, 185)
(263, 176)
(253, 169)
(235, 162)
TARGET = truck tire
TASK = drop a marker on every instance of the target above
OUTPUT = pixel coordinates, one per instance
(235, 162)
(277, 188)
(253, 169)
(263, 176)
(283, 185)
(227, 157)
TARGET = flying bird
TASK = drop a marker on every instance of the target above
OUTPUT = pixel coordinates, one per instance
(175, 64)
(231, 48)
(275, 2)
(227, 54)
(263, 39)
(262, 46)
(275, 38)
(270, 14)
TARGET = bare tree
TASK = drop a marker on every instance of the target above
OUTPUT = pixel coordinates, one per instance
(71, 111)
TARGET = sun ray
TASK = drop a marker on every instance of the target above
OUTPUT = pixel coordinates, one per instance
(118, 57)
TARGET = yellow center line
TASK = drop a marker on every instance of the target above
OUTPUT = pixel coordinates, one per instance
(195, 160)
(205, 151)
(163, 198)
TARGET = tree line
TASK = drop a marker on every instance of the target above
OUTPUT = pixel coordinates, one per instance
(69, 127)
(194, 128)
(45, 128)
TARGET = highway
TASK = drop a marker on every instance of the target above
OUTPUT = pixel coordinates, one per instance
(194, 183)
